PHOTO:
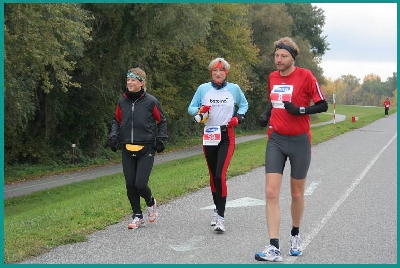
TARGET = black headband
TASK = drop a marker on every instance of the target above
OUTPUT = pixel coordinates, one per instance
(288, 48)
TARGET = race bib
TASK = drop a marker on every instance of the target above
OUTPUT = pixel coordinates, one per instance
(211, 135)
(279, 94)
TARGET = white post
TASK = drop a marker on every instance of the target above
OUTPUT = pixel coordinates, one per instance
(73, 160)
(334, 110)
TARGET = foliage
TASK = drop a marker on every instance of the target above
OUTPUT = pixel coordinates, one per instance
(65, 67)
(308, 22)
(372, 92)
(42, 43)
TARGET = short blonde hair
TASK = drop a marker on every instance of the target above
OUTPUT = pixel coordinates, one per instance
(214, 62)
(289, 42)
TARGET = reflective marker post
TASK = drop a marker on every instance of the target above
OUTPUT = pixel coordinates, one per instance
(73, 157)
(334, 110)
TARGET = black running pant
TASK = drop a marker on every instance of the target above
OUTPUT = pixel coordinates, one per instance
(218, 158)
(137, 171)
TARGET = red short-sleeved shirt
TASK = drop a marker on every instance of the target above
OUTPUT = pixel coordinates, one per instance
(300, 87)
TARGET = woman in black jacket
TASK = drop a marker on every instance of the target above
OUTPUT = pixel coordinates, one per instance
(140, 128)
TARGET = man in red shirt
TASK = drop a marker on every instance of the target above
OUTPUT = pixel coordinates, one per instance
(292, 90)
(386, 104)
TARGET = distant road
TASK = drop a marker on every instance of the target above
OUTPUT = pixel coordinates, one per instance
(30, 186)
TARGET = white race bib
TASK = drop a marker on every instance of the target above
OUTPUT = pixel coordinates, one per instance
(211, 135)
(279, 94)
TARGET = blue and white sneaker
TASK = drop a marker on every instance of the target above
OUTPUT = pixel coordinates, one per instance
(295, 246)
(220, 225)
(270, 253)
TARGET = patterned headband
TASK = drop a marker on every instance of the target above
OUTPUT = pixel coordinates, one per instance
(133, 75)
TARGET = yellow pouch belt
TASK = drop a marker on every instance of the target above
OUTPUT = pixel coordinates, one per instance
(134, 147)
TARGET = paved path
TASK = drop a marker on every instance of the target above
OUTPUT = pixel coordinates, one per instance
(350, 215)
(30, 186)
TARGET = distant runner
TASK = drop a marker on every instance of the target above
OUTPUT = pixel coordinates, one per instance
(386, 104)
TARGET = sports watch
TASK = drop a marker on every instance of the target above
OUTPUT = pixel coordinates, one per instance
(302, 110)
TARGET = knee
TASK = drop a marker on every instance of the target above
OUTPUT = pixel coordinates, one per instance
(297, 196)
(271, 193)
(140, 186)
(129, 184)
(218, 179)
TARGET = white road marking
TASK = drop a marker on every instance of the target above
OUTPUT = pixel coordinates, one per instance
(310, 189)
(241, 202)
(307, 239)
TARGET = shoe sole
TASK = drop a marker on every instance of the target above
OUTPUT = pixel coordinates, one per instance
(257, 257)
(155, 217)
(132, 227)
(219, 230)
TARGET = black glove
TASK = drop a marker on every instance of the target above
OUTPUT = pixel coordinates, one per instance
(291, 108)
(263, 120)
(114, 143)
(240, 118)
(160, 146)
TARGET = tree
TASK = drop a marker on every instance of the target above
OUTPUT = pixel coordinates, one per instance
(268, 22)
(42, 42)
(308, 22)
(350, 86)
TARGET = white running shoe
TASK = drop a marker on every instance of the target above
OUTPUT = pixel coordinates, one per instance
(220, 225)
(295, 246)
(214, 218)
(136, 223)
(152, 212)
(270, 253)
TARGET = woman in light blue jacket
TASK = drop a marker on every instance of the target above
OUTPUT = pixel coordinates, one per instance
(221, 106)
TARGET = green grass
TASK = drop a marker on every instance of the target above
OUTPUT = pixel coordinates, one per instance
(40, 221)
(22, 172)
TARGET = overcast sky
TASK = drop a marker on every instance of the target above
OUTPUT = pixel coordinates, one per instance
(362, 38)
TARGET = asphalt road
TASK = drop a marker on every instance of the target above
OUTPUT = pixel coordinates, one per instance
(350, 215)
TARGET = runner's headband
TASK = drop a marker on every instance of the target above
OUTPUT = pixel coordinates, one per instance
(219, 66)
(133, 75)
(288, 48)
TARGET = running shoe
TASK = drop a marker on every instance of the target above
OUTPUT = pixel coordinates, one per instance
(136, 223)
(220, 225)
(295, 248)
(151, 212)
(270, 253)
(214, 218)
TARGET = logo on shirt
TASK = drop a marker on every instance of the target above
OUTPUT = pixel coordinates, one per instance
(282, 89)
(219, 101)
(211, 129)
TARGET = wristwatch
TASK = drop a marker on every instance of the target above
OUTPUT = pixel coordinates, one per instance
(302, 110)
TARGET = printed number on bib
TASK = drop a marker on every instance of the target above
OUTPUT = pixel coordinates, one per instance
(279, 94)
(211, 135)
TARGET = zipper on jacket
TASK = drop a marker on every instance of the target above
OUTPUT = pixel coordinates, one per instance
(133, 109)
